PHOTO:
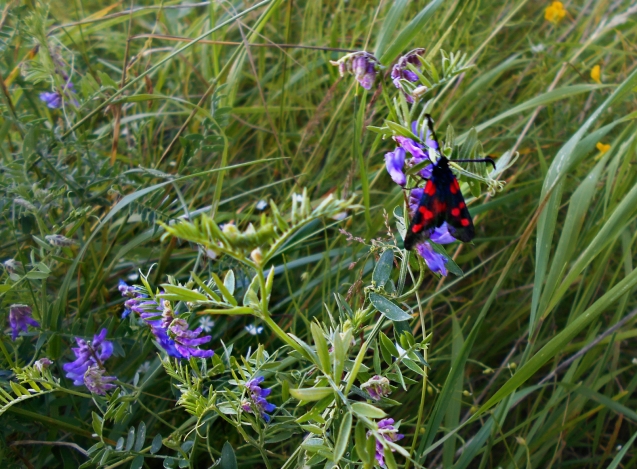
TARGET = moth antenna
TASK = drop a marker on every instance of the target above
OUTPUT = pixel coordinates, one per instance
(481, 160)
(430, 125)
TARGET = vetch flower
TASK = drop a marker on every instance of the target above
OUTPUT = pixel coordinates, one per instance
(88, 354)
(172, 334)
(53, 100)
(390, 433)
(363, 65)
(377, 387)
(42, 364)
(555, 12)
(187, 342)
(596, 74)
(13, 266)
(258, 404)
(401, 71)
(395, 162)
(20, 317)
(435, 262)
(206, 324)
(96, 382)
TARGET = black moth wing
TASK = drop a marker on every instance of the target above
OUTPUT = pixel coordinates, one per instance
(441, 202)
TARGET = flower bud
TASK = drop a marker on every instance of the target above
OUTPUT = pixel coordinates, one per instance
(24, 204)
(377, 387)
(256, 255)
(13, 266)
(59, 241)
(42, 364)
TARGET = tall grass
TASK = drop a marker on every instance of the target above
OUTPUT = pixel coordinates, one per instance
(189, 109)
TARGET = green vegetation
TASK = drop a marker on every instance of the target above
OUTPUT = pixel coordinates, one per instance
(210, 154)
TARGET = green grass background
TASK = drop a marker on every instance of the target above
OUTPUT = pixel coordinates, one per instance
(551, 268)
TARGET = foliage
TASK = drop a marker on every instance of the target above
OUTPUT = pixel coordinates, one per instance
(212, 158)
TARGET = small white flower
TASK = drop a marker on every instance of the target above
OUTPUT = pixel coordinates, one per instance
(261, 205)
(206, 324)
(537, 48)
(401, 351)
(297, 198)
(254, 330)
(144, 367)
(340, 216)
(634, 361)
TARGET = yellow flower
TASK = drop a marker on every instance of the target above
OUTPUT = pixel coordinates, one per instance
(602, 147)
(596, 74)
(555, 12)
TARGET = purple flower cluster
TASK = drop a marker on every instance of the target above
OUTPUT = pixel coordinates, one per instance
(395, 163)
(88, 367)
(20, 317)
(390, 433)
(363, 65)
(257, 403)
(400, 71)
(171, 333)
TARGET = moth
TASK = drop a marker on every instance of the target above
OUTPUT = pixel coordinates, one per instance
(441, 201)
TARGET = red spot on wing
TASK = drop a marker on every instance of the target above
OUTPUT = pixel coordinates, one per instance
(430, 188)
(416, 228)
(455, 187)
(455, 212)
(427, 214)
(439, 206)
(465, 222)
(462, 205)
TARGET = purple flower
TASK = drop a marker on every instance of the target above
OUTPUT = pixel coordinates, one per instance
(88, 354)
(42, 364)
(377, 387)
(187, 341)
(96, 382)
(435, 262)
(258, 403)
(20, 317)
(400, 71)
(390, 433)
(363, 65)
(52, 100)
(394, 162)
(127, 290)
(172, 333)
(441, 235)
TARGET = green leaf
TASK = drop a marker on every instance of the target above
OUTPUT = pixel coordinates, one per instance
(343, 437)
(228, 458)
(229, 282)
(141, 436)
(130, 440)
(251, 298)
(389, 345)
(339, 355)
(383, 268)
(205, 287)
(389, 25)
(360, 438)
(367, 410)
(617, 459)
(321, 347)
(225, 292)
(414, 27)
(97, 423)
(390, 462)
(156, 444)
(311, 394)
(388, 308)
(183, 293)
(138, 462)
